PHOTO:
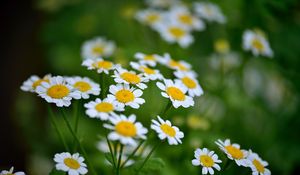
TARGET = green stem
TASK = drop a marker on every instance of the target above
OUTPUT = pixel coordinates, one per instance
(76, 116)
(111, 152)
(133, 153)
(119, 159)
(167, 108)
(102, 85)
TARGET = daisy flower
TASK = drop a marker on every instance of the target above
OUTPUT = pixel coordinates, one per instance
(126, 96)
(125, 130)
(165, 129)
(257, 165)
(209, 12)
(11, 172)
(150, 60)
(176, 93)
(207, 159)
(176, 65)
(130, 77)
(34, 81)
(102, 109)
(85, 86)
(149, 17)
(233, 152)
(161, 3)
(256, 42)
(99, 64)
(190, 82)
(97, 47)
(73, 164)
(149, 73)
(58, 91)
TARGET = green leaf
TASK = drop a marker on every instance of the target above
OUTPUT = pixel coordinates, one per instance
(108, 158)
(56, 172)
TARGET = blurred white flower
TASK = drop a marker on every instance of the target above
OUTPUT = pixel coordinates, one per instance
(257, 165)
(130, 77)
(150, 60)
(209, 11)
(97, 47)
(149, 73)
(11, 172)
(99, 64)
(189, 80)
(149, 17)
(34, 81)
(85, 86)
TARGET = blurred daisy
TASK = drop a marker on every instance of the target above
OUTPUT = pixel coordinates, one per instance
(165, 129)
(162, 3)
(233, 152)
(124, 95)
(176, 65)
(34, 81)
(125, 130)
(130, 77)
(257, 165)
(209, 12)
(102, 109)
(85, 86)
(222, 46)
(58, 91)
(11, 172)
(149, 73)
(97, 47)
(73, 164)
(150, 17)
(147, 59)
(190, 82)
(176, 93)
(256, 42)
(207, 159)
(99, 64)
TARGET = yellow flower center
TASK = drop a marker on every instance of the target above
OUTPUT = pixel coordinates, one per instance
(72, 163)
(260, 168)
(39, 82)
(147, 70)
(222, 46)
(103, 65)
(124, 96)
(236, 153)
(152, 18)
(130, 77)
(206, 160)
(176, 64)
(58, 91)
(126, 129)
(175, 93)
(258, 45)
(186, 19)
(168, 130)
(82, 86)
(104, 107)
(177, 32)
(149, 58)
(98, 50)
(190, 83)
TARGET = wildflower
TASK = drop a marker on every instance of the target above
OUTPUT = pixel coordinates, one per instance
(125, 130)
(190, 82)
(99, 64)
(256, 42)
(130, 77)
(34, 81)
(162, 3)
(197, 122)
(58, 91)
(126, 96)
(85, 86)
(222, 46)
(73, 164)
(97, 47)
(176, 93)
(149, 73)
(176, 65)
(150, 17)
(165, 129)
(209, 12)
(207, 159)
(233, 152)
(11, 172)
(150, 60)
(257, 165)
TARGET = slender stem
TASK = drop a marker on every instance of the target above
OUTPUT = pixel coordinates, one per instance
(102, 84)
(53, 121)
(163, 112)
(76, 116)
(111, 152)
(78, 142)
(133, 153)
(119, 159)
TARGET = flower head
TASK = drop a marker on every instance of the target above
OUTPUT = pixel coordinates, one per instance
(130, 77)
(97, 47)
(85, 86)
(174, 64)
(149, 17)
(257, 165)
(189, 80)
(150, 60)
(99, 64)
(209, 12)
(73, 164)
(207, 159)
(149, 73)
(166, 130)
(34, 81)
(11, 172)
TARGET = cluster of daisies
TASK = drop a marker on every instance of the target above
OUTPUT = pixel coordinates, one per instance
(175, 22)
(209, 159)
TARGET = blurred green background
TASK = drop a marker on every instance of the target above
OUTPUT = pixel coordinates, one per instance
(252, 101)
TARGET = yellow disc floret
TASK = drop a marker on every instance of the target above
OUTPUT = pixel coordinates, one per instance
(98, 49)
(175, 93)
(256, 43)
(168, 130)
(58, 91)
(104, 107)
(177, 32)
(186, 19)
(130, 77)
(71, 163)
(260, 168)
(82, 86)
(235, 152)
(188, 82)
(39, 82)
(124, 96)
(126, 129)
(206, 161)
(103, 64)
(147, 70)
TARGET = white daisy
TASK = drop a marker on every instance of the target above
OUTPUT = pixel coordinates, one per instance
(165, 129)
(58, 91)
(176, 93)
(85, 86)
(102, 109)
(126, 96)
(150, 60)
(97, 47)
(176, 65)
(130, 77)
(233, 152)
(190, 82)
(34, 81)
(162, 3)
(257, 165)
(99, 64)
(209, 11)
(73, 164)
(207, 159)
(149, 17)
(256, 42)
(149, 73)
(125, 130)
(11, 172)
